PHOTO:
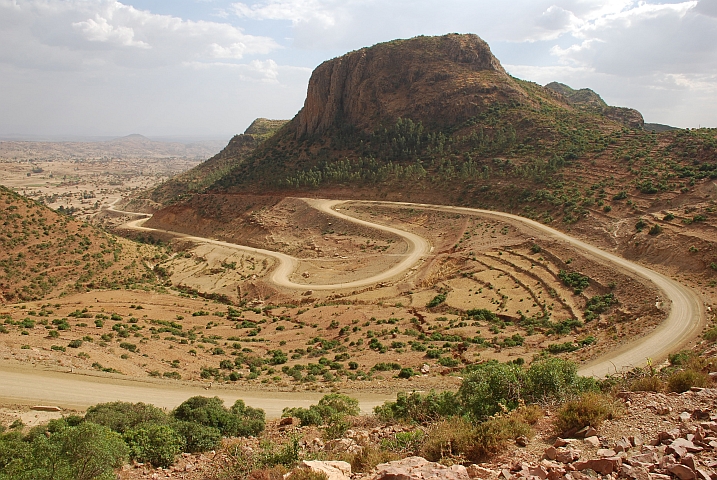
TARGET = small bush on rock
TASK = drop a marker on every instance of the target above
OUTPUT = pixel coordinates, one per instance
(591, 409)
(684, 380)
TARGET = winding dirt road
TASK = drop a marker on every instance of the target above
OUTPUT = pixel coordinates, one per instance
(685, 319)
(418, 247)
(684, 322)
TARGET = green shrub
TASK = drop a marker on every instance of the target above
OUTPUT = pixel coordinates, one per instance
(591, 409)
(407, 442)
(577, 281)
(650, 383)
(491, 386)
(154, 443)
(656, 229)
(386, 367)
(448, 362)
(711, 334)
(368, 457)
(129, 346)
(419, 408)
(437, 300)
(407, 372)
(599, 304)
(75, 344)
(494, 434)
(123, 416)
(451, 437)
(240, 420)
(85, 452)
(556, 348)
(680, 358)
(684, 380)
(331, 407)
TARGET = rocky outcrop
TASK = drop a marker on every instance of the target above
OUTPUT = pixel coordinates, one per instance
(433, 79)
(334, 470)
(587, 98)
(418, 468)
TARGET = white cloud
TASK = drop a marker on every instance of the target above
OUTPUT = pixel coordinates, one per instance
(100, 30)
(74, 33)
(87, 63)
(266, 71)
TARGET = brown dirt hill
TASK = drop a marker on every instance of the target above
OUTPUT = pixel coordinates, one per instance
(44, 253)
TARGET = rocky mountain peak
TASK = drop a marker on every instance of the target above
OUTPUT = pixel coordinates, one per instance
(437, 80)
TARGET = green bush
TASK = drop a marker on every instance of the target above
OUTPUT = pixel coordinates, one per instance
(656, 229)
(591, 409)
(711, 334)
(650, 383)
(85, 452)
(491, 386)
(331, 407)
(123, 416)
(240, 420)
(577, 281)
(554, 379)
(437, 300)
(197, 438)
(680, 358)
(154, 443)
(420, 408)
(494, 434)
(684, 380)
(451, 437)
(407, 372)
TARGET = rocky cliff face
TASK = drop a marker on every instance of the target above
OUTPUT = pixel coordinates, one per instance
(437, 80)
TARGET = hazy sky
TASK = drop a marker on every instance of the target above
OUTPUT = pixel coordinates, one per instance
(209, 67)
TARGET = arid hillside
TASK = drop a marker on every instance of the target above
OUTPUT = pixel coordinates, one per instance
(45, 254)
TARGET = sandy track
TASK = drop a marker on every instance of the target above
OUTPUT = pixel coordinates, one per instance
(28, 385)
(418, 247)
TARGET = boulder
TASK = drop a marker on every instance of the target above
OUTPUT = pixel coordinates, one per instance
(567, 456)
(682, 472)
(417, 468)
(586, 432)
(603, 466)
(550, 453)
(476, 471)
(605, 452)
(593, 441)
(623, 445)
(334, 470)
(559, 442)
